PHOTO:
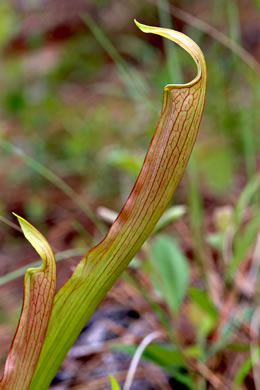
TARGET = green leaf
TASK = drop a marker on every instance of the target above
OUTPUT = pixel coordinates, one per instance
(245, 198)
(243, 371)
(169, 271)
(113, 382)
(163, 167)
(171, 215)
(165, 356)
(242, 243)
(125, 161)
(39, 290)
(202, 312)
(201, 298)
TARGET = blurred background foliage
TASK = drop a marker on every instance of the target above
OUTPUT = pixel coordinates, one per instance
(80, 97)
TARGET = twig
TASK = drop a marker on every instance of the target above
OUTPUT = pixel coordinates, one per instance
(137, 356)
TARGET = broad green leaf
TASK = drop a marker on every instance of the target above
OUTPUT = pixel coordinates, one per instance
(204, 302)
(202, 312)
(163, 167)
(163, 355)
(39, 290)
(169, 271)
(113, 382)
